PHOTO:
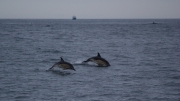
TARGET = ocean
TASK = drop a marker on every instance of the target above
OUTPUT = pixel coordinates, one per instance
(144, 59)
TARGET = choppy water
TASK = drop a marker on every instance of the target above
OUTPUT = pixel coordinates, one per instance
(144, 58)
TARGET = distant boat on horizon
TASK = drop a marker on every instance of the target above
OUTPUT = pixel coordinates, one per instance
(154, 23)
(74, 18)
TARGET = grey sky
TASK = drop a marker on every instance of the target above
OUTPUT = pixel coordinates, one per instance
(89, 9)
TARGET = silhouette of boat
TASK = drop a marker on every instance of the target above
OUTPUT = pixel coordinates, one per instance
(74, 18)
(154, 23)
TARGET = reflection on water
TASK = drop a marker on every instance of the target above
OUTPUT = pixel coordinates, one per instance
(58, 72)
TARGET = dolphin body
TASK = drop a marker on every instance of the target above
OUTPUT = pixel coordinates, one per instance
(101, 62)
(63, 64)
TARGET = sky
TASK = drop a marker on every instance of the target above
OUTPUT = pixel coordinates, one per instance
(89, 9)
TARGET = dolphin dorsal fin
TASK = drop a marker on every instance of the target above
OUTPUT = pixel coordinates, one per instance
(62, 59)
(98, 55)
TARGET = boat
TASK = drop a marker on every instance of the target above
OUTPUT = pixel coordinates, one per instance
(74, 18)
(154, 23)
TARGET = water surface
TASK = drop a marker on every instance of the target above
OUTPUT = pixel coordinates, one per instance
(144, 60)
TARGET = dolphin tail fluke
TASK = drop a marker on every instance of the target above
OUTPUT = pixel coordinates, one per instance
(74, 69)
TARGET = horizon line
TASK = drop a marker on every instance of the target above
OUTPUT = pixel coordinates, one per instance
(84, 18)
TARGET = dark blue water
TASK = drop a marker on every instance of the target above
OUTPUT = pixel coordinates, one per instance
(144, 58)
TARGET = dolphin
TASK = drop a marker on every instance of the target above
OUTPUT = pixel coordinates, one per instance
(63, 64)
(101, 62)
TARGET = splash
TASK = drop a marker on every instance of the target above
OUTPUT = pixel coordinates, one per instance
(81, 62)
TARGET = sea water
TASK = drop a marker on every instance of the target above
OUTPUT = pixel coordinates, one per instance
(144, 59)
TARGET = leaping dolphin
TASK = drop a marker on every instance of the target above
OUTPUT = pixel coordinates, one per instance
(101, 62)
(63, 64)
